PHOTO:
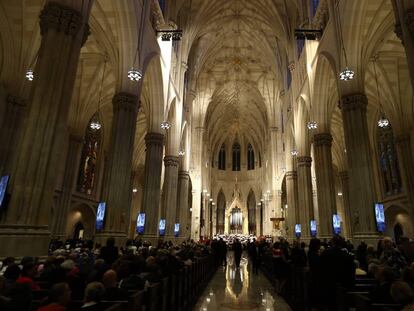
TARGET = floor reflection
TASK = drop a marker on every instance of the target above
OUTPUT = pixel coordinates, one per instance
(239, 289)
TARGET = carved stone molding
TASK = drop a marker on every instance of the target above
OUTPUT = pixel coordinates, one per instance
(292, 66)
(125, 101)
(16, 101)
(61, 18)
(304, 161)
(184, 175)
(171, 161)
(357, 101)
(154, 139)
(322, 139)
(291, 175)
(409, 20)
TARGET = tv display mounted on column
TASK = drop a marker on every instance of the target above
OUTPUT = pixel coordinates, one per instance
(336, 221)
(313, 230)
(100, 215)
(298, 230)
(162, 227)
(4, 182)
(140, 223)
(380, 217)
(176, 230)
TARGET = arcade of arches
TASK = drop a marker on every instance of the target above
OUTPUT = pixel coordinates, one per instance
(259, 133)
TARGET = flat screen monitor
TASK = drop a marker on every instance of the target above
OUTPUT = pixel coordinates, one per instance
(298, 230)
(100, 215)
(380, 217)
(336, 221)
(4, 181)
(140, 223)
(313, 230)
(162, 227)
(176, 230)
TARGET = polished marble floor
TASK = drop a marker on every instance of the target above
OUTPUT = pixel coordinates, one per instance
(239, 289)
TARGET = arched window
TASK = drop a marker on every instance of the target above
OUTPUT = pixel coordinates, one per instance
(390, 172)
(89, 156)
(314, 6)
(236, 157)
(222, 158)
(250, 157)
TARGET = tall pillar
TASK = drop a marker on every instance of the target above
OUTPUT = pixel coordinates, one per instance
(292, 200)
(325, 182)
(24, 227)
(345, 202)
(117, 189)
(405, 157)
(169, 194)
(71, 172)
(361, 190)
(152, 183)
(182, 203)
(10, 131)
(305, 195)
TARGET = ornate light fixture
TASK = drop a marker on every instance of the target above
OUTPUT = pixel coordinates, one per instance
(134, 74)
(95, 124)
(181, 153)
(294, 153)
(312, 125)
(346, 74)
(167, 35)
(135, 190)
(165, 125)
(29, 75)
(383, 122)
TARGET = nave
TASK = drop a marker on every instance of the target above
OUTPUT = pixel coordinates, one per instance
(240, 289)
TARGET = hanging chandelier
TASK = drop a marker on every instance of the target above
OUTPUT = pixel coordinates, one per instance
(347, 74)
(95, 124)
(294, 153)
(134, 75)
(181, 153)
(165, 125)
(29, 75)
(383, 122)
(312, 125)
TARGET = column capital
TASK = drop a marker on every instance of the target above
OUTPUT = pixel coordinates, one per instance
(125, 101)
(154, 139)
(171, 161)
(322, 139)
(409, 20)
(16, 100)
(356, 101)
(291, 175)
(60, 17)
(304, 161)
(184, 175)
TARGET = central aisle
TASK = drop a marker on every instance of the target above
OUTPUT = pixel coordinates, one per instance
(239, 289)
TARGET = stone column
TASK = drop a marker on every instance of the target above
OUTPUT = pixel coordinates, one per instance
(182, 203)
(24, 226)
(361, 189)
(69, 181)
(405, 157)
(345, 202)
(305, 195)
(169, 194)
(152, 183)
(10, 130)
(117, 188)
(292, 200)
(325, 183)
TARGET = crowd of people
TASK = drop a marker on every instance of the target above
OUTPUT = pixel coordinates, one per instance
(79, 270)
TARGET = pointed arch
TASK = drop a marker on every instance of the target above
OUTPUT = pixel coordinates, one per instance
(251, 210)
(220, 212)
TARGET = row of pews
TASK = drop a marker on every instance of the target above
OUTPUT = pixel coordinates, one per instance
(178, 292)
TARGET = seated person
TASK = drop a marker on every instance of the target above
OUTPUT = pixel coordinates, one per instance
(112, 292)
(94, 293)
(403, 294)
(59, 297)
(29, 272)
(381, 292)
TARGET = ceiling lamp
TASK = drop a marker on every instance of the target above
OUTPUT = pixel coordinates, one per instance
(383, 122)
(181, 153)
(29, 75)
(312, 125)
(346, 74)
(134, 75)
(95, 124)
(165, 125)
(135, 190)
(294, 152)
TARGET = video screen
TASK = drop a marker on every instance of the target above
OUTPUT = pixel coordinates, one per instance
(100, 216)
(176, 230)
(336, 220)
(140, 223)
(162, 227)
(4, 181)
(313, 230)
(380, 217)
(298, 230)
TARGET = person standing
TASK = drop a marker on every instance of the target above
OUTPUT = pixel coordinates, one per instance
(238, 250)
